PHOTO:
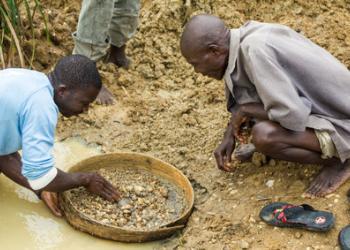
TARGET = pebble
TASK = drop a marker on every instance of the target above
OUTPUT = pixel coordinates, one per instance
(232, 192)
(270, 183)
(272, 163)
(139, 190)
(164, 192)
(126, 207)
(251, 219)
(243, 244)
(298, 235)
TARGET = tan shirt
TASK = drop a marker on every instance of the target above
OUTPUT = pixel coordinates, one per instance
(299, 83)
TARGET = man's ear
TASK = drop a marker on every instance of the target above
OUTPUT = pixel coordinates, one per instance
(214, 48)
(61, 89)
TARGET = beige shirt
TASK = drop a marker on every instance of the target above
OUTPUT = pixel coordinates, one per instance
(299, 83)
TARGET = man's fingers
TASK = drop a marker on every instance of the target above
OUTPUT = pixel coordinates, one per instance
(51, 201)
(227, 164)
(229, 152)
(219, 160)
(108, 184)
(107, 195)
(113, 191)
(55, 210)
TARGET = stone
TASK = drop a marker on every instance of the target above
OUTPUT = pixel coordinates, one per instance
(243, 244)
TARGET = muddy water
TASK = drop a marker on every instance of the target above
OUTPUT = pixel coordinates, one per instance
(26, 224)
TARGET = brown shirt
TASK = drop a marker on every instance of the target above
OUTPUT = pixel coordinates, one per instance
(299, 83)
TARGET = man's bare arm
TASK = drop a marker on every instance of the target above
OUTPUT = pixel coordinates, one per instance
(254, 110)
(11, 165)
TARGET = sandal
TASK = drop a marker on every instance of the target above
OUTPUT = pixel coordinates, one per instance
(344, 238)
(304, 216)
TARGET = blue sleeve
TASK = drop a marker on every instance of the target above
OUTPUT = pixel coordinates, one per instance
(38, 122)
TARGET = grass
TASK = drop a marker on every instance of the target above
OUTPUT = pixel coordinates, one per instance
(14, 31)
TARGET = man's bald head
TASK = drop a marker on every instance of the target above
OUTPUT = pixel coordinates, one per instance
(203, 30)
(206, 39)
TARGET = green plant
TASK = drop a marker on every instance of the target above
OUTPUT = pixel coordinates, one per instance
(13, 31)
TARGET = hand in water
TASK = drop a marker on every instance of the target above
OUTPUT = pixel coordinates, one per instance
(51, 201)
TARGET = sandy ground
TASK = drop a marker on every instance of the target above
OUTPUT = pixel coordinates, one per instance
(165, 109)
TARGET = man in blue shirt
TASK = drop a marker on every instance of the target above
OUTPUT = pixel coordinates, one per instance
(29, 106)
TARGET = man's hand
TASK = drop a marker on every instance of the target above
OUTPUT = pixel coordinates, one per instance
(95, 183)
(98, 185)
(224, 151)
(51, 201)
(237, 119)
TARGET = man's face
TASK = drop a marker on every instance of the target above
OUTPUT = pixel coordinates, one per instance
(211, 63)
(72, 102)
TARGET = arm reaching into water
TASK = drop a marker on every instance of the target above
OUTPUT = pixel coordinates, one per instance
(11, 165)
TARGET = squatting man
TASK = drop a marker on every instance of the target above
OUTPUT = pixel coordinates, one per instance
(296, 91)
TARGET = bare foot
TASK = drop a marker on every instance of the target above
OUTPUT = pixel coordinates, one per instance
(244, 152)
(105, 97)
(329, 179)
(118, 57)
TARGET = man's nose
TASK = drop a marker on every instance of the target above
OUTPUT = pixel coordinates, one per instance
(197, 70)
(85, 109)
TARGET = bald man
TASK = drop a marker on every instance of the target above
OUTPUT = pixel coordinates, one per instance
(297, 91)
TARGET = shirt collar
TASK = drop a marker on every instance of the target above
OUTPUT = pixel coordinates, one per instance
(234, 47)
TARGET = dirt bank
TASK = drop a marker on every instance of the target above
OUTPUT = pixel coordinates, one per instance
(163, 108)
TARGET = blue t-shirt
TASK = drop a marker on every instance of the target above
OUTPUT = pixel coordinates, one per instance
(28, 118)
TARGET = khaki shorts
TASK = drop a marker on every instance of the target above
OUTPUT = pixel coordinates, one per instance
(327, 146)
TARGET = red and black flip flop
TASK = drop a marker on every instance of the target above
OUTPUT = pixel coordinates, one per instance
(304, 216)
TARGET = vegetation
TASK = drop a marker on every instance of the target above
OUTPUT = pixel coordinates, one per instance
(17, 27)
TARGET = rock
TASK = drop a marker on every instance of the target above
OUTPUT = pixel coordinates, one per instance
(163, 191)
(123, 202)
(126, 207)
(243, 244)
(258, 159)
(272, 162)
(251, 219)
(270, 183)
(298, 235)
(139, 190)
(126, 211)
(232, 192)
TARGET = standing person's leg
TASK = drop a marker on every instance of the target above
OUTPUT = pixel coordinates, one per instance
(91, 38)
(304, 147)
(123, 27)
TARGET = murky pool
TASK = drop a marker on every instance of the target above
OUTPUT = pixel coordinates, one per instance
(26, 224)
